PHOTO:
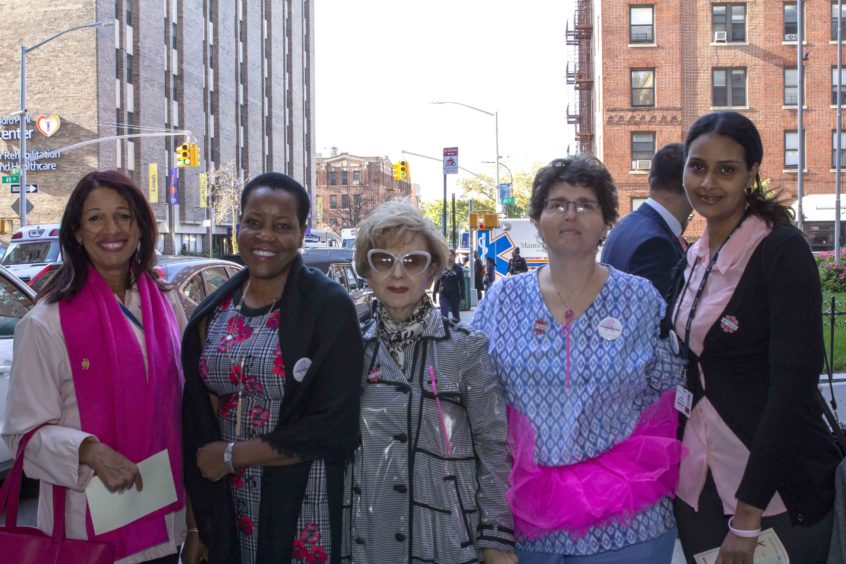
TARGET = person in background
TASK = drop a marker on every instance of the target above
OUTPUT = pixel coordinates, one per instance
(428, 482)
(589, 384)
(272, 363)
(478, 275)
(490, 272)
(449, 288)
(96, 362)
(748, 313)
(517, 264)
(648, 242)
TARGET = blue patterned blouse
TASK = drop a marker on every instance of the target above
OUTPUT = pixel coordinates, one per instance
(611, 381)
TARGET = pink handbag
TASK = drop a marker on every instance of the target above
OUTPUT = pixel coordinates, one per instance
(28, 545)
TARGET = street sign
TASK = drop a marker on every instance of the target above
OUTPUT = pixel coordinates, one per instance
(450, 160)
(16, 206)
(11, 179)
(30, 188)
(508, 201)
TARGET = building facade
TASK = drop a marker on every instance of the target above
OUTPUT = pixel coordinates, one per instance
(645, 70)
(349, 187)
(234, 76)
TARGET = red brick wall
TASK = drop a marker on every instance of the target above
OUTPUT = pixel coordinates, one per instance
(683, 57)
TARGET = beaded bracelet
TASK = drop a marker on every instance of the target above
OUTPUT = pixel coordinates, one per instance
(750, 534)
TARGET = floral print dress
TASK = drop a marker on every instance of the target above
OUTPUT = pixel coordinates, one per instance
(242, 353)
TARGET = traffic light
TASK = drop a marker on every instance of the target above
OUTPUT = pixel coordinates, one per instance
(396, 171)
(183, 155)
(404, 175)
(194, 154)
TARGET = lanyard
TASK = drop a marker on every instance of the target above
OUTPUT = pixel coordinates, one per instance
(130, 316)
(698, 296)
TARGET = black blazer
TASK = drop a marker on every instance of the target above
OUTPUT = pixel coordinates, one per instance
(762, 378)
(319, 416)
(643, 244)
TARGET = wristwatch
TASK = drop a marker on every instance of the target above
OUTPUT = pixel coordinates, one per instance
(227, 457)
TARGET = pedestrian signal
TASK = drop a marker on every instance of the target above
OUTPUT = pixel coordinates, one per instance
(491, 221)
(474, 220)
(194, 155)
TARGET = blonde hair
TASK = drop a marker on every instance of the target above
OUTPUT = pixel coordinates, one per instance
(397, 221)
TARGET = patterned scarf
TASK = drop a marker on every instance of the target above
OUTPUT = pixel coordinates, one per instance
(398, 335)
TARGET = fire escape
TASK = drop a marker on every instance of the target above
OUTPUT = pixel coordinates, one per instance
(580, 75)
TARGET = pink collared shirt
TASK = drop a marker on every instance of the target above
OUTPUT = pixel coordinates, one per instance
(710, 442)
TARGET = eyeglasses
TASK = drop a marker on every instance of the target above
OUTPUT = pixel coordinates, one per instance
(414, 263)
(563, 206)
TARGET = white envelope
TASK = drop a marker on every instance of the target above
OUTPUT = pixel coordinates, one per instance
(769, 551)
(110, 511)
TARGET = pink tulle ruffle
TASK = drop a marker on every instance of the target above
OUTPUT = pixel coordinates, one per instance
(633, 475)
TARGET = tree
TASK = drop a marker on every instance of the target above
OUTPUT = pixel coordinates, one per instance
(225, 187)
(352, 205)
(484, 194)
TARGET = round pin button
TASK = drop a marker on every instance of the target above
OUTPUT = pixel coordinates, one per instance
(610, 328)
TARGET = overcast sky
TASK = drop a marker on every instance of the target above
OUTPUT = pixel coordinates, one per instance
(379, 64)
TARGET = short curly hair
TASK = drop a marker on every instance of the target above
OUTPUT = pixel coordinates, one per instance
(579, 170)
(398, 221)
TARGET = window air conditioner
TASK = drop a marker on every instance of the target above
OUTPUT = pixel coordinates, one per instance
(720, 37)
(641, 164)
(791, 37)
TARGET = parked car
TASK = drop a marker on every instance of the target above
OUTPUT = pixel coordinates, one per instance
(195, 277)
(337, 264)
(34, 252)
(16, 299)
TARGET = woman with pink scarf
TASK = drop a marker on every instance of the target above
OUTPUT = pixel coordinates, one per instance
(96, 369)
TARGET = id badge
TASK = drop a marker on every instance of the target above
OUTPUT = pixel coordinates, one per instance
(684, 400)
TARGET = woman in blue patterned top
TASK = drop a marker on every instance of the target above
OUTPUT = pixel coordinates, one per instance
(590, 387)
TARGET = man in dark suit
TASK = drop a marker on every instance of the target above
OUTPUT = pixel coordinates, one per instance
(647, 242)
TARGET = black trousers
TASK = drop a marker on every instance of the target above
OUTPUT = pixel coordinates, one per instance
(706, 529)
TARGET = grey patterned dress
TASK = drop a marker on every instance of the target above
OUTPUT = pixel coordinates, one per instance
(242, 353)
(428, 483)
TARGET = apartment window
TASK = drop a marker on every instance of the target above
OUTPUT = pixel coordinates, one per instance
(643, 147)
(729, 87)
(173, 43)
(333, 178)
(128, 5)
(129, 68)
(333, 202)
(835, 20)
(643, 87)
(834, 148)
(791, 87)
(791, 149)
(728, 22)
(791, 22)
(356, 201)
(345, 201)
(834, 86)
(641, 24)
(356, 176)
(345, 178)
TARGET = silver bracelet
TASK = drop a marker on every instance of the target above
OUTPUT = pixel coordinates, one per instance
(747, 534)
(227, 457)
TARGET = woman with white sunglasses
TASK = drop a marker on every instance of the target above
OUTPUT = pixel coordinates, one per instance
(429, 479)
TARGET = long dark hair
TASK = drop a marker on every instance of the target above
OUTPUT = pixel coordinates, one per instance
(740, 129)
(72, 274)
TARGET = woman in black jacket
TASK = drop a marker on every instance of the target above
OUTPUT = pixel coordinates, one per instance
(748, 316)
(270, 414)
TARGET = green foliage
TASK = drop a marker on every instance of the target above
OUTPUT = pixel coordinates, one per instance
(832, 273)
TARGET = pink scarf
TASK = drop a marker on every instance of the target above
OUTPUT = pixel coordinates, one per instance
(136, 414)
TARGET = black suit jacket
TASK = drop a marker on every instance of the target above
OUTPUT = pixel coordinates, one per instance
(643, 244)
(762, 378)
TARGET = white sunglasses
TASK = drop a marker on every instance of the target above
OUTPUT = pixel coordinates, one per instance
(414, 263)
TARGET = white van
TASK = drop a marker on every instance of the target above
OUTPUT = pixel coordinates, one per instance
(33, 251)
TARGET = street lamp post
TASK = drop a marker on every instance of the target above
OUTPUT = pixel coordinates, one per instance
(495, 115)
(22, 158)
(510, 178)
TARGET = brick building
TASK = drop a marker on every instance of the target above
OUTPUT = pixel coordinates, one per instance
(349, 187)
(644, 70)
(237, 74)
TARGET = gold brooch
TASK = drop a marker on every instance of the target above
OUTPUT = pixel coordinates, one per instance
(85, 363)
